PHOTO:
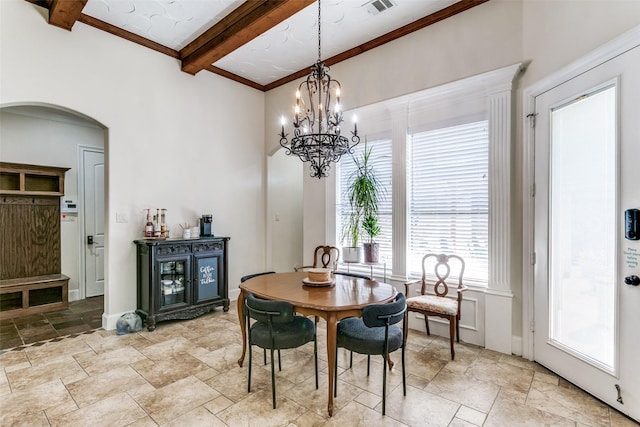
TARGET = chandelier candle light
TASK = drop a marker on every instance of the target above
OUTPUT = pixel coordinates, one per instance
(316, 123)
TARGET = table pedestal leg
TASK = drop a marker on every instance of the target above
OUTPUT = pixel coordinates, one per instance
(243, 326)
(331, 356)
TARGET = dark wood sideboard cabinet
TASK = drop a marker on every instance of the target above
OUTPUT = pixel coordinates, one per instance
(181, 279)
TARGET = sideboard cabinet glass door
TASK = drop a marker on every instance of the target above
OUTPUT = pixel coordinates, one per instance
(181, 279)
(174, 281)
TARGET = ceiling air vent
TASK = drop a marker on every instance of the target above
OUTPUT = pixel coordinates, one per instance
(376, 6)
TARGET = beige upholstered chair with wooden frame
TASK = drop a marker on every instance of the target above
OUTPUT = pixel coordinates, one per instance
(439, 268)
(324, 257)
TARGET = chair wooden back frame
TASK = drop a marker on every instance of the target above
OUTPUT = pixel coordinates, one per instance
(326, 257)
(440, 287)
(323, 256)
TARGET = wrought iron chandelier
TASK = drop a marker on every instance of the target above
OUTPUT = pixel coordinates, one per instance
(316, 122)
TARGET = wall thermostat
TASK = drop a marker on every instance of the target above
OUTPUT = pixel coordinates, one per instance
(68, 206)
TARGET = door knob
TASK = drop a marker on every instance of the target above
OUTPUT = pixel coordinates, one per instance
(632, 280)
(89, 240)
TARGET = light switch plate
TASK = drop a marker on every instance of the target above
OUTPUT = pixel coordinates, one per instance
(121, 217)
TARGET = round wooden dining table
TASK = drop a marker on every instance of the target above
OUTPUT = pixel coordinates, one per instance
(345, 298)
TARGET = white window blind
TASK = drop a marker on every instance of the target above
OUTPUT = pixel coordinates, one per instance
(381, 161)
(449, 196)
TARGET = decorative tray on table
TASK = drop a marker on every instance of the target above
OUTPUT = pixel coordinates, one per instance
(308, 282)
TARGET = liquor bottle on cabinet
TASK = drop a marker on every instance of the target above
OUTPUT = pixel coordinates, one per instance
(148, 228)
(156, 224)
(164, 232)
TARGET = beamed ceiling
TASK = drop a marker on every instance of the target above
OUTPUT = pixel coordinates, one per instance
(259, 43)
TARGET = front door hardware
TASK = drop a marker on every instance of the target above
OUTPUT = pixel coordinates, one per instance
(632, 280)
(89, 240)
(619, 399)
(631, 224)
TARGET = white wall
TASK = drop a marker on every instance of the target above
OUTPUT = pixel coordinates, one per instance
(546, 34)
(284, 213)
(556, 33)
(174, 140)
(35, 139)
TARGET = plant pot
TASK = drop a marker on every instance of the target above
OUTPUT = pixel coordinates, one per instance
(351, 254)
(371, 251)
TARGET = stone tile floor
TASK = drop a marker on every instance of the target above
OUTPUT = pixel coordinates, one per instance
(80, 316)
(185, 373)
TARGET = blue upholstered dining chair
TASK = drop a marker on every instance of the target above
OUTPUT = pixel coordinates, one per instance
(251, 276)
(276, 327)
(375, 333)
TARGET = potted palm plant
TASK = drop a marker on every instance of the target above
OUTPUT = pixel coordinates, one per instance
(363, 192)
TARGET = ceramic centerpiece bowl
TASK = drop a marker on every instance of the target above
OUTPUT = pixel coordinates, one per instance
(319, 274)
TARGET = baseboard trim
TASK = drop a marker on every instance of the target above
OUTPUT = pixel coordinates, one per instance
(109, 321)
(516, 345)
(73, 295)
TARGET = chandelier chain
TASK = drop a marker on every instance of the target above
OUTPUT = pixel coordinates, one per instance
(319, 38)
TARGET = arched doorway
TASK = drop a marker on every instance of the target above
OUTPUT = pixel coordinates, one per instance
(53, 135)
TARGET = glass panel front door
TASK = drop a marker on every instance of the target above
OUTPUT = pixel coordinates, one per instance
(586, 175)
(582, 262)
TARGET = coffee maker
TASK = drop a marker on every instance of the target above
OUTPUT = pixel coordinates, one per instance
(206, 226)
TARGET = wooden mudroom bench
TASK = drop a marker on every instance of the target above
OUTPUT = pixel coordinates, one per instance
(29, 295)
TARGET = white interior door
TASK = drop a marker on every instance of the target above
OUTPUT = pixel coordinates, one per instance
(587, 150)
(93, 166)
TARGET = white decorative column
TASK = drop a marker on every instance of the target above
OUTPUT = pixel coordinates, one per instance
(498, 296)
(399, 193)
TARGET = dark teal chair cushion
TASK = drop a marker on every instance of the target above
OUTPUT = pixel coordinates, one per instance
(354, 335)
(366, 335)
(297, 332)
(280, 312)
